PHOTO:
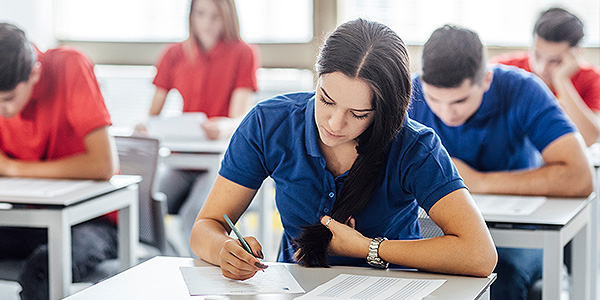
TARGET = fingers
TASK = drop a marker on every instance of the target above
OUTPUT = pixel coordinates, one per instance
(327, 221)
(237, 263)
(255, 246)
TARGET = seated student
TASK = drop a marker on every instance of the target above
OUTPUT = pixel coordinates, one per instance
(555, 57)
(350, 172)
(53, 124)
(495, 122)
(214, 70)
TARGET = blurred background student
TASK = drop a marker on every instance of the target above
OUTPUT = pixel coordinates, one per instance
(215, 73)
(53, 124)
(555, 56)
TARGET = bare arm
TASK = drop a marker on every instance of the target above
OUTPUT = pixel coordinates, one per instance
(221, 127)
(99, 161)
(586, 120)
(465, 248)
(566, 173)
(210, 235)
(158, 101)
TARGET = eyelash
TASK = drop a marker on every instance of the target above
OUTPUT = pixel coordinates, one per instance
(353, 115)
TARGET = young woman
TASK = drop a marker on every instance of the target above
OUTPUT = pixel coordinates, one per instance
(215, 73)
(213, 70)
(350, 171)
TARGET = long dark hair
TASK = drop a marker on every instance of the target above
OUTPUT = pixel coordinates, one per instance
(372, 52)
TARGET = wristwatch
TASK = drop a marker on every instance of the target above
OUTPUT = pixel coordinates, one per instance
(373, 258)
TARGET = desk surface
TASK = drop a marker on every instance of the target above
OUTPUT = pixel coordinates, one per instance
(554, 212)
(160, 278)
(84, 192)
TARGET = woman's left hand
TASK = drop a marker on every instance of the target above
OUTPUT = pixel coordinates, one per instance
(346, 241)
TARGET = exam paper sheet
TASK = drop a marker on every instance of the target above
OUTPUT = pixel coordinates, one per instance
(508, 205)
(276, 279)
(346, 286)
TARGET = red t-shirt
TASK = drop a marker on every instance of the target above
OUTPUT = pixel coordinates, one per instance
(207, 82)
(66, 105)
(586, 81)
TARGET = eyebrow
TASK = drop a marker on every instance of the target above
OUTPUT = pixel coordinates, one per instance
(452, 101)
(353, 109)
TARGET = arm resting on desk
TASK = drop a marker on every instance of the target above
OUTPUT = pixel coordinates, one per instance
(99, 161)
(566, 173)
(466, 247)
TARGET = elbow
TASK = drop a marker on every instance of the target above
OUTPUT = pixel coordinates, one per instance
(583, 185)
(483, 262)
(105, 170)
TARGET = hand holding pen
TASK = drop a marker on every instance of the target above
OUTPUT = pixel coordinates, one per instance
(240, 262)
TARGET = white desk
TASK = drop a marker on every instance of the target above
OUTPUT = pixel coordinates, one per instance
(160, 278)
(99, 198)
(550, 228)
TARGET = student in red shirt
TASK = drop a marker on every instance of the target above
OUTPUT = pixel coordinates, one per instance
(53, 124)
(215, 73)
(555, 57)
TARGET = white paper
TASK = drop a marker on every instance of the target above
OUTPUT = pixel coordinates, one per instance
(183, 127)
(346, 286)
(40, 188)
(276, 279)
(508, 205)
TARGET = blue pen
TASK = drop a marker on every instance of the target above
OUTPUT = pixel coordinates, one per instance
(238, 234)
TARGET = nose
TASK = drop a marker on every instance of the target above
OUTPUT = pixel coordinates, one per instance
(336, 121)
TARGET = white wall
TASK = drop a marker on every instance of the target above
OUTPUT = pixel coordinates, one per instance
(35, 17)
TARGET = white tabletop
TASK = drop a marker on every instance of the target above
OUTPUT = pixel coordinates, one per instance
(85, 191)
(160, 278)
(554, 212)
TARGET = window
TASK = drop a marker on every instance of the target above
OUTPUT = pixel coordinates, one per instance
(498, 22)
(261, 21)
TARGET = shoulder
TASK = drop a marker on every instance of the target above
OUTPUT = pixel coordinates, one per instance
(415, 133)
(64, 55)
(511, 78)
(172, 51)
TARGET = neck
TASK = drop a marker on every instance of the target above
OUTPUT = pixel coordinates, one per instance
(339, 159)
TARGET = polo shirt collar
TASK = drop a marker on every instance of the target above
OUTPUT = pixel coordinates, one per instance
(311, 134)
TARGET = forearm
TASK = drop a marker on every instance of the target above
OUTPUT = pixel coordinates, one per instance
(445, 254)
(584, 118)
(555, 180)
(78, 166)
(207, 240)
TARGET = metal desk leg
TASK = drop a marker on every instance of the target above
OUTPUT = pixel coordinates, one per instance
(59, 255)
(580, 277)
(128, 231)
(553, 254)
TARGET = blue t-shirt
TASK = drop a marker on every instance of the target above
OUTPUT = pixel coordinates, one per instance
(517, 119)
(278, 138)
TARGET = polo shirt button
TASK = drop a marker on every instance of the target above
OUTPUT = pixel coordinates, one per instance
(326, 209)
(331, 195)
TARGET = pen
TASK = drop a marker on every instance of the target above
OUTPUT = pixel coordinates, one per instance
(238, 234)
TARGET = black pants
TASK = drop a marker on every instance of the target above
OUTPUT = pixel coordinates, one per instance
(92, 242)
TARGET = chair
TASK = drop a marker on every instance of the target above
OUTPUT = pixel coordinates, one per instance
(139, 156)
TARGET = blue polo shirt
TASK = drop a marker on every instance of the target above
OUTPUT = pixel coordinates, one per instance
(518, 117)
(279, 138)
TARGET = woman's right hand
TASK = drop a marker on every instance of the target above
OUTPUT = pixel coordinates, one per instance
(237, 263)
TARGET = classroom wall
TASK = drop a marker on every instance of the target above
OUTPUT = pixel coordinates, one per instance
(35, 17)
